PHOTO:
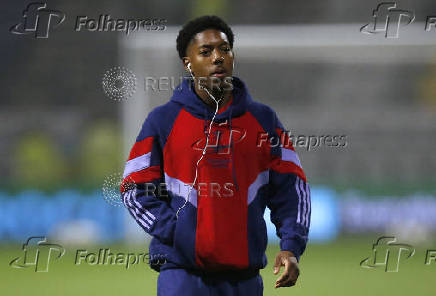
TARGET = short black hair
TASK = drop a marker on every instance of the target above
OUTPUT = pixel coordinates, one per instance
(199, 25)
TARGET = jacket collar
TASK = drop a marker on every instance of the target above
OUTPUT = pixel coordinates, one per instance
(184, 94)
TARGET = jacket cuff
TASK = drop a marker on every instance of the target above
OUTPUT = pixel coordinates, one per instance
(291, 245)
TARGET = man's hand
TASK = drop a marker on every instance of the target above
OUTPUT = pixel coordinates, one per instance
(291, 272)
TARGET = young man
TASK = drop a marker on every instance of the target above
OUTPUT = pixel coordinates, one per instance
(204, 167)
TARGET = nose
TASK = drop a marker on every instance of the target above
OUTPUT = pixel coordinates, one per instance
(218, 58)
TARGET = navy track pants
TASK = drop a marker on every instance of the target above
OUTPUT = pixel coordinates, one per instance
(180, 282)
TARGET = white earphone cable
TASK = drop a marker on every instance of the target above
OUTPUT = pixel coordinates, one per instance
(205, 147)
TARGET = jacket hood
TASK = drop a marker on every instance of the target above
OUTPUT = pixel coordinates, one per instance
(184, 94)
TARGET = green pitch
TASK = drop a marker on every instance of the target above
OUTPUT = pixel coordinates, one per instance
(331, 269)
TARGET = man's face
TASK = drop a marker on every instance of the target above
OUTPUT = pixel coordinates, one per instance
(211, 57)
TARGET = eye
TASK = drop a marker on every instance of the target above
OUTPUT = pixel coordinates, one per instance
(225, 48)
(204, 52)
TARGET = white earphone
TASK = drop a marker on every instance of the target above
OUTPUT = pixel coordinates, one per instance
(189, 68)
(205, 146)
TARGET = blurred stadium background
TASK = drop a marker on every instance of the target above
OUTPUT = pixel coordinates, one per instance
(62, 137)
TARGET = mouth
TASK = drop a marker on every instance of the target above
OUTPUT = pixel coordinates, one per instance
(219, 73)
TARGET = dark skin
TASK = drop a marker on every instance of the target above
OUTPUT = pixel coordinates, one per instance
(290, 274)
(208, 52)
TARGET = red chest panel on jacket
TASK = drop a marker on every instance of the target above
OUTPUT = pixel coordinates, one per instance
(221, 232)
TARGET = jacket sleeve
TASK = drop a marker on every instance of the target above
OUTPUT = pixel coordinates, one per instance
(143, 190)
(289, 201)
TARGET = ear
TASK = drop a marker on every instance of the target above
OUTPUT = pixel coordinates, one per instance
(186, 61)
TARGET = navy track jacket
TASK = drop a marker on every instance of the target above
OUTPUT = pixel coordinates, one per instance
(249, 164)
